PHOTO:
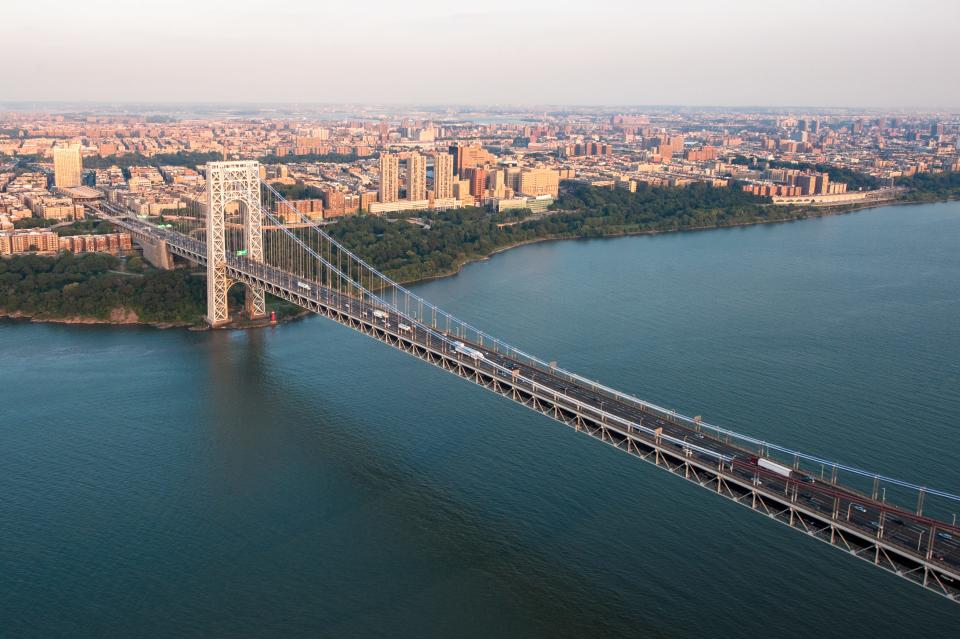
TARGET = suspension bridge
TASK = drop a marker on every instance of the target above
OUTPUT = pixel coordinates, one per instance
(250, 235)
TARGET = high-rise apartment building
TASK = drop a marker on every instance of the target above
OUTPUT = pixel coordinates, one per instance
(823, 183)
(366, 199)
(670, 144)
(461, 191)
(443, 176)
(478, 181)
(416, 177)
(512, 178)
(807, 184)
(389, 177)
(457, 159)
(466, 157)
(496, 183)
(539, 181)
(334, 201)
(67, 166)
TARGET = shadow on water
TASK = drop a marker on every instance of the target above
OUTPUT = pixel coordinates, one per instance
(464, 542)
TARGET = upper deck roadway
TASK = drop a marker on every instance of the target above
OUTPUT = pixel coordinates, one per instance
(923, 550)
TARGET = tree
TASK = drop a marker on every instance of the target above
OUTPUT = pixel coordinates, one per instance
(931, 186)
(135, 264)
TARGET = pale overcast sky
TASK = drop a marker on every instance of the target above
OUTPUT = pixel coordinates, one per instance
(698, 52)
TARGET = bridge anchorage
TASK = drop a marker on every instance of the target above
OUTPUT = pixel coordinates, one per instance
(253, 236)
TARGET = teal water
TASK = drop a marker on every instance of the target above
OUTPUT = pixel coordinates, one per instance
(308, 481)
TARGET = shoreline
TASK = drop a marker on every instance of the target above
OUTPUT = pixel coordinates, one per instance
(812, 214)
(239, 325)
(91, 321)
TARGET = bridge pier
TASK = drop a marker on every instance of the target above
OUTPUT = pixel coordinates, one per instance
(156, 252)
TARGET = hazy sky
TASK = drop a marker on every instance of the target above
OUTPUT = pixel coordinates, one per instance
(698, 52)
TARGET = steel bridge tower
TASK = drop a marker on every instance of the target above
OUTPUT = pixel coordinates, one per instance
(231, 183)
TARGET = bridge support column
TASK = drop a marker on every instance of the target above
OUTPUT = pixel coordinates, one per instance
(157, 253)
(229, 182)
(218, 284)
(255, 305)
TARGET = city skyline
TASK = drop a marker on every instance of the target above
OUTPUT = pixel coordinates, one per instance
(856, 54)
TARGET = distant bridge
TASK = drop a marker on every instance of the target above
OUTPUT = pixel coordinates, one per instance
(906, 529)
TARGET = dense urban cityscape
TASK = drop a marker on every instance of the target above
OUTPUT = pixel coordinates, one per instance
(398, 163)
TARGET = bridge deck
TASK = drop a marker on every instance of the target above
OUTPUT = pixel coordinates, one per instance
(923, 550)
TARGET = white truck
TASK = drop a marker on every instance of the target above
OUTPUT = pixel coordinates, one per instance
(462, 348)
(305, 287)
(380, 315)
(783, 471)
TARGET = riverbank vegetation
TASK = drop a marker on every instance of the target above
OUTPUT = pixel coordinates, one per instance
(99, 287)
(408, 252)
(89, 286)
(931, 187)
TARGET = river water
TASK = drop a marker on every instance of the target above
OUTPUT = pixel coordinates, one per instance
(307, 481)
